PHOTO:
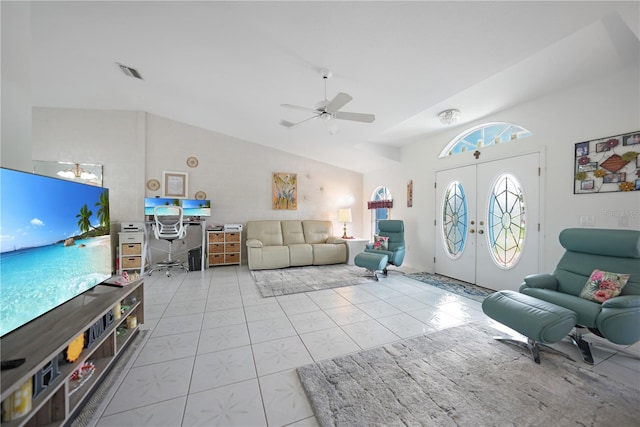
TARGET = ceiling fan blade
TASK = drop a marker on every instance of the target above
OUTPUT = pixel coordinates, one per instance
(289, 125)
(356, 117)
(339, 101)
(297, 107)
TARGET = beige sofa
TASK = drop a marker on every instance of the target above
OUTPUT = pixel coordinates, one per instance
(279, 244)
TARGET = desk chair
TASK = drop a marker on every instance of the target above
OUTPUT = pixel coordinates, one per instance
(168, 226)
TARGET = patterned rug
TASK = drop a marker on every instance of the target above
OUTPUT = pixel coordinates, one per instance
(459, 287)
(292, 280)
(463, 377)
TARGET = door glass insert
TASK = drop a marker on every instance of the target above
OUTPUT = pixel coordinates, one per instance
(506, 221)
(454, 219)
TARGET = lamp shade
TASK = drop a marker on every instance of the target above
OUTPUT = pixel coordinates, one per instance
(344, 215)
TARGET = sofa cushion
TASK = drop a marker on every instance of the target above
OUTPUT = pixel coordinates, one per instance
(603, 285)
(268, 232)
(316, 231)
(292, 233)
(328, 253)
(300, 255)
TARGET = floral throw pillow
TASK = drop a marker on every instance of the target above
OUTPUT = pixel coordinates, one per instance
(381, 242)
(603, 285)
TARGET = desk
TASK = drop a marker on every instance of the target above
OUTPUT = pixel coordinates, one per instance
(354, 247)
(188, 223)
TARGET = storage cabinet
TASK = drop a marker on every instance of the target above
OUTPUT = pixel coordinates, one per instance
(131, 249)
(224, 247)
(108, 317)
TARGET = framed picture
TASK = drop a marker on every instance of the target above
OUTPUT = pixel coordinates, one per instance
(582, 149)
(601, 146)
(588, 167)
(587, 184)
(609, 164)
(631, 139)
(175, 184)
(611, 178)
(410, 193)
(284, 191)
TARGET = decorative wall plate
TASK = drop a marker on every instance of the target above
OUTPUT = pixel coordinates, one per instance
(153, 185)
(192, 162)
(201, 195)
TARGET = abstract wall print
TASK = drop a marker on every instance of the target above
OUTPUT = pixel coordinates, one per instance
(284, 191)
(607, 164)
(410, 193)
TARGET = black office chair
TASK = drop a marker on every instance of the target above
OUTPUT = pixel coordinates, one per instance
(168, 225)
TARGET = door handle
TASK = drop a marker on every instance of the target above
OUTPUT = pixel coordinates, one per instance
(481, 222)
(480, 231)
(473, 222)
(472, 231)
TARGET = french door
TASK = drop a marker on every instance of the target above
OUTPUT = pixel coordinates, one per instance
(487, 222)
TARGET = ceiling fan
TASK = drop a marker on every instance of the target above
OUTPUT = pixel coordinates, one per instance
(327, 110)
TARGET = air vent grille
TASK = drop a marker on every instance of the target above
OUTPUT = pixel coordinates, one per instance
(129, 71)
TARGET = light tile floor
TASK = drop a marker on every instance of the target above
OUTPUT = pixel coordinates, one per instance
(218, 354)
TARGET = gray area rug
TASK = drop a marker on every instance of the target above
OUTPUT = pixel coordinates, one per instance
(468, 290)
(292, 280)
(93, 408)
(463, 377)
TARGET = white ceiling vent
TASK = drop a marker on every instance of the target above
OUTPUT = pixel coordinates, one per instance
(131, 72)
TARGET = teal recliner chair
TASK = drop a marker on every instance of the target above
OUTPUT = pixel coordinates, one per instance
(617, 319)
(377, 260)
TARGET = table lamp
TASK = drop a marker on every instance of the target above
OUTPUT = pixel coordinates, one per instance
(344, 215)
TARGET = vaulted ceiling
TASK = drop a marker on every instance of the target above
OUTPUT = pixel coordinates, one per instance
(227, 66)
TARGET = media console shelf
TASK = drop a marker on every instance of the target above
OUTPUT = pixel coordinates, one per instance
(44, 341)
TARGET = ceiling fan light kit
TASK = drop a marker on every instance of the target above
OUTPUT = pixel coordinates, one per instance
(449, 117)
(328, 110)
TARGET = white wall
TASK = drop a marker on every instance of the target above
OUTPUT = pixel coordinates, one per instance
(134, 147)
(601, 108)
(15, 105)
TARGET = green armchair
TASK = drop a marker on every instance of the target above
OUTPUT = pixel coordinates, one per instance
(617, 319)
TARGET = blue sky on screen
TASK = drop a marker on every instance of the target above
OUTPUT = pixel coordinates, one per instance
(37, 210)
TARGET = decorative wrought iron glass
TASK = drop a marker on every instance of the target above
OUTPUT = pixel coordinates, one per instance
(506, 221)
(455, 219)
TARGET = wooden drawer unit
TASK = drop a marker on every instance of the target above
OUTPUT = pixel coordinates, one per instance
(232, 237)
(216, 237)
(215, 259)
(225, 247)
(216, 248)
(232, 258)
(131, 262)
(131, 249)
(131, 252)
(231, 247)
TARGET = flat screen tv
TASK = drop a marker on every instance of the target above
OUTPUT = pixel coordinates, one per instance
(54, 244)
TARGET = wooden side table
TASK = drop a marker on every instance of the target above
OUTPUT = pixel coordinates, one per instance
(354, 247)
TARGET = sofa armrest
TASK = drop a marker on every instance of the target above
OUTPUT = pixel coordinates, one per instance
(540, 281)
(335, 240)
(254, 243)
(622, 301)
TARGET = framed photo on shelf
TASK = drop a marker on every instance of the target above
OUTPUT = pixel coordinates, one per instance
(175, 184)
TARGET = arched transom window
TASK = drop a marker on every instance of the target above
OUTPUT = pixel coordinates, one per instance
(484, 136)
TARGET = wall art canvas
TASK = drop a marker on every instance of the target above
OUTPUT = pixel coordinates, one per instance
(410, 193)
(284, 191)
(607, 164)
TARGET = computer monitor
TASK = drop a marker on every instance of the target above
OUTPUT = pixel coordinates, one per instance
(193, 207)
(150, 204)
